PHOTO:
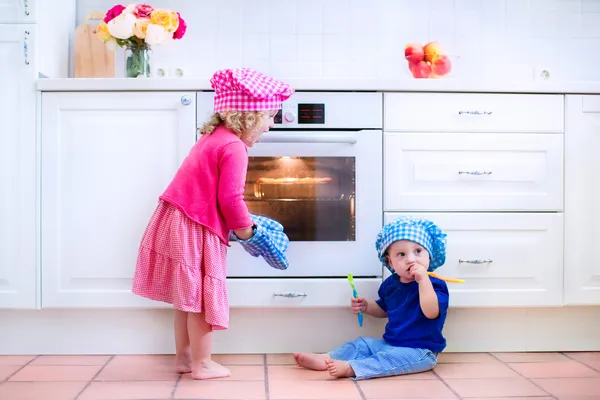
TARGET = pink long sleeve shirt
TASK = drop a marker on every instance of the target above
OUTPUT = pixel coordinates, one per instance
(209, 185)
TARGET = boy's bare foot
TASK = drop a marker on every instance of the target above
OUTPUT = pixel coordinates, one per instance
(339, 369)
(313, 361)
(183, 364)
(210, 370)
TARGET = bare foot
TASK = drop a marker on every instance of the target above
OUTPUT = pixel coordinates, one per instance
(339, 369)
(183, 364)
(313, 361)
(210, 370)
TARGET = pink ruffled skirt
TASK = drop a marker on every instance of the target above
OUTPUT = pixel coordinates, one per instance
(182, 263)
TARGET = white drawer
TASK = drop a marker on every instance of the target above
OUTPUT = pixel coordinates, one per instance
(505, 259)
(473, 172)
(270, 293)
(471, 112)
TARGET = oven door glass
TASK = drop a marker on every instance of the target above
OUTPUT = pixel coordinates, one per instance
(325, 189)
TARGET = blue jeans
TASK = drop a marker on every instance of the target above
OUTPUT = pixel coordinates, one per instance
(374, 358)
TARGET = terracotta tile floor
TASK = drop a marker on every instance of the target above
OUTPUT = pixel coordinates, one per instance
(541, 376)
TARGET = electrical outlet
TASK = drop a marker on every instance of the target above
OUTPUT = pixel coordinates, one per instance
(178, 72)
(541, 74)
(161, 72)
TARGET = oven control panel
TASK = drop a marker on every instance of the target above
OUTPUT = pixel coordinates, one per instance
(301, 114)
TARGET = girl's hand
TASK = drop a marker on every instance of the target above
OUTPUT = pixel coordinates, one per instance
(244, 234)
(418, 272)
(359, 305)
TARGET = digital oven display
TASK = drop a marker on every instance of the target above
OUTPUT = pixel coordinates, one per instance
(311, 113)
(278, 119)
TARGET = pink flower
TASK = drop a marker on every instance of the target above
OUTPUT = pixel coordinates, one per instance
(143, 11)
(113, 13)
(178, 34)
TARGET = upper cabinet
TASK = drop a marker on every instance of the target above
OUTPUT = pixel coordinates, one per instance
(18, 11)
(105, 159)
(18, 270)
(582, 201)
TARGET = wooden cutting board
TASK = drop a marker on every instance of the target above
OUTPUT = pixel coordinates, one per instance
(92, 58)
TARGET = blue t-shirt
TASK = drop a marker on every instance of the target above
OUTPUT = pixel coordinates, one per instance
(407, 325)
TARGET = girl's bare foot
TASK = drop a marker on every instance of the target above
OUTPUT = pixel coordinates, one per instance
(183, 364)
(313, 361)
(339, 369)
(210, 370)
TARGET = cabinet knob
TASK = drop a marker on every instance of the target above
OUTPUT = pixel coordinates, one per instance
(186, 100)
(26, 7)
(26, 47)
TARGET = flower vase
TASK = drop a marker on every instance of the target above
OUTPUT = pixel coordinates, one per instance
(137, 61)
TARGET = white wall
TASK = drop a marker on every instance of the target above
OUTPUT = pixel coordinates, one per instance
(495, 39)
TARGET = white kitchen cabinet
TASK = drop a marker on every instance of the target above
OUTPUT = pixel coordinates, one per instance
(473, 172)
(106, 157)
(17, 167)
(582, 201)
(18, 11)
(506, 259)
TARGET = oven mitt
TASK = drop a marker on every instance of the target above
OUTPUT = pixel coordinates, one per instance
(269, 241)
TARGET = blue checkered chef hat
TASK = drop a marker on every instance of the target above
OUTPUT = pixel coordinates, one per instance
(418, 230)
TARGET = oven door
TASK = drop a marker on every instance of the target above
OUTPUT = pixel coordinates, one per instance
(325, 188)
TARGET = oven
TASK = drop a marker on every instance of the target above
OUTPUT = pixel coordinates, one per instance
(319, 173)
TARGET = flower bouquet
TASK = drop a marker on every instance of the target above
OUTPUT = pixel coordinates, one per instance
(138, 27)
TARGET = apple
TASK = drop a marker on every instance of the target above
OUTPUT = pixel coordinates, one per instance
(414, 52)
(441, 65)
(422, 69)
(431, 50)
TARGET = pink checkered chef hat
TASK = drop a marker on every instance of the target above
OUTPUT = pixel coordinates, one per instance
(243, 89)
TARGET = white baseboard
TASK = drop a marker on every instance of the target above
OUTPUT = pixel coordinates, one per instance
(289, 330)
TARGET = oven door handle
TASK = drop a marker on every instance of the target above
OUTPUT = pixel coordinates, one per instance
(312, 137)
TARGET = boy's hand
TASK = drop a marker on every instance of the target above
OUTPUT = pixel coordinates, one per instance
(418, 272)
(359, 305)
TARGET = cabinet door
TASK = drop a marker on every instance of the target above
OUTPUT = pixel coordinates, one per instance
(582, 201)
(17, 167)
(17, 11)
(506, 259)
(106, 157)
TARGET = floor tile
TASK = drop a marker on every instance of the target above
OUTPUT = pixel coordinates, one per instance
(514, 398)
(281, 359)
(139, 368)
(220, 390)
(466, 358)
(15, 360)
(127, 391)
(40, 390)
(584, 356)
(428, 375)
(566, 369)
(508, 387)
(62, 373)
(571, 386)
(239, 373)
(530, 357)
(239, 359)
(475, 371)
(340, 389)
(292, 372)
(404, 389)
(70, 360)
(592, 364)
(8, 370)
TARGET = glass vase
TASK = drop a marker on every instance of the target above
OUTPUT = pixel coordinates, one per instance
(137, 61)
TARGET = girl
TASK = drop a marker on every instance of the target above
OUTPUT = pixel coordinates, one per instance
(182, 256)
(414, 304)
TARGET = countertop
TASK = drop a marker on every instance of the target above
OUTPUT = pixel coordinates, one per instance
(441, 85)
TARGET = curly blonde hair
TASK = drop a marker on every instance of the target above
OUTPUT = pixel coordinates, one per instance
(239, 122)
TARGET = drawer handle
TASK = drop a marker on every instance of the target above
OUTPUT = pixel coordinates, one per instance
(289, 294)
(475, 112)
(488, 261)
(474, 172)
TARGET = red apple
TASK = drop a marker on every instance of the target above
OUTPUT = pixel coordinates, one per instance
(441, 65)
(431, 50)
(414, 52)
(422, 69)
